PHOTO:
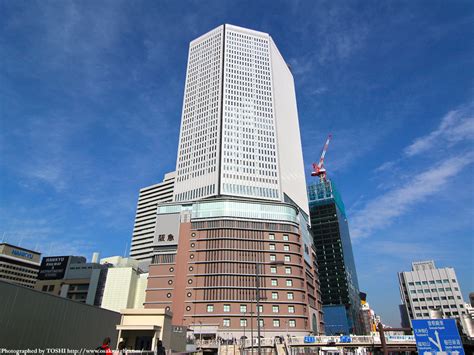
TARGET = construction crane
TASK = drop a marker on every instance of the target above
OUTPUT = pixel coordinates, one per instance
(318, 169)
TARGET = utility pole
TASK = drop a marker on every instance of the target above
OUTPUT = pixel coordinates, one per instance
(200, 335)
(251, 327)
(257, 277)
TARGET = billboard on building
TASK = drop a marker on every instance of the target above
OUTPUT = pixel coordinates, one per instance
(53, 268)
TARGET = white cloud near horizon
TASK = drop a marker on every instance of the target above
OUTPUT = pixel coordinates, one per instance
(383, 210)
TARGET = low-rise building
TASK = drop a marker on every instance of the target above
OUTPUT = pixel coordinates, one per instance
(19, 265)
(73, 277)
(125, 284)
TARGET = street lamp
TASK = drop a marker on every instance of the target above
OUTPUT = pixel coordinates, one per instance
(200, 335)
(257, 281)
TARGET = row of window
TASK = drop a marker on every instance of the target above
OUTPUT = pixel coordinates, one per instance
(275, 322)
(443, 298)
(439, 289)
(243, 308)
(432, 282)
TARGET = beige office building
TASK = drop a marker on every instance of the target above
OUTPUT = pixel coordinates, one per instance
(145, 220)
(19, 265)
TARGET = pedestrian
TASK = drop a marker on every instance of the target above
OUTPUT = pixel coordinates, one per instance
(160, 349)
(104, 349)
(122, 348)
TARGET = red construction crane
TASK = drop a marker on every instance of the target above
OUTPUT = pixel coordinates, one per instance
(318, 169)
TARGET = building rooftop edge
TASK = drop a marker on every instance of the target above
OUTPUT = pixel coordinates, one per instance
(18, 247)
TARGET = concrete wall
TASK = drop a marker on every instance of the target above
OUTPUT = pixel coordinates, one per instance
(32, 319)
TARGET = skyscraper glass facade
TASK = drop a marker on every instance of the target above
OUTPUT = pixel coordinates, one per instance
(336, 266)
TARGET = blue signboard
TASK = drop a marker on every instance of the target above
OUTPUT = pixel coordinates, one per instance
(309, 339)
(345, 339)
(435, 336)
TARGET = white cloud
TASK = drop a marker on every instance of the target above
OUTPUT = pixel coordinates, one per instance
(384, 209)
(456, 126)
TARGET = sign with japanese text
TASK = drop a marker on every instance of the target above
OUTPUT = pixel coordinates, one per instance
(437, 337)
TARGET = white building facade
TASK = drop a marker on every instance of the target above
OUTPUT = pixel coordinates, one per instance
(125, 284)
(428, 288)
(239, 129)
(145, 220)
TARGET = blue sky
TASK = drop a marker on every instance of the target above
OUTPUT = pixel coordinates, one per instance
(90, 103)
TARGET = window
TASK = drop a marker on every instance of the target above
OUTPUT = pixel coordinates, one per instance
(288, 270)
(275, 309)
(271, 246)
(289, 282)
(260, 308)
(274, 282)
(273, 269)
(271, 236)
(45, 288)
(290, 295)
(411, 283)
(291, 309)
(243, 308)
(243, 322)
(168, 295)
(276, 323)
(274, 295)
(226, 322)
(446, 281)
(287, 258)
(188, 308)
(227, 308)
(412, 291)
(272, 257)
(285, 236)
(286, 247)
(210, 308)
(292, 323)
(261, 323)
(424, 282)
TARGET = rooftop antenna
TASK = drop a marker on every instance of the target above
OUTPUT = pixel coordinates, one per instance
(125, 250)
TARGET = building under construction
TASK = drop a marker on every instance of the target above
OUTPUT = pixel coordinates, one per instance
(337, 272)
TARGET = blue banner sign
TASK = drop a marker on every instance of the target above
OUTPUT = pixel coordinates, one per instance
(309, 339)
(437, 336)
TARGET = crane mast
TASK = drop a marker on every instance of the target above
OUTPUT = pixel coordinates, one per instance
(318, 169)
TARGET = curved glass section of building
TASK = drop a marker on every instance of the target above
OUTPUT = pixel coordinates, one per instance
(236, 209)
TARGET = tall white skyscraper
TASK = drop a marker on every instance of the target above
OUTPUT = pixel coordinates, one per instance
(239, 129)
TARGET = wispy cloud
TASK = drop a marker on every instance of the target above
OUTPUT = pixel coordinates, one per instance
(383, 210)
(455, 126)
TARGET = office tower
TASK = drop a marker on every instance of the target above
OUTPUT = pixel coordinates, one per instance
(428, 288)
(336, 266)
(239, 129)
(19, 265)
(240, 205)
(144, 229)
